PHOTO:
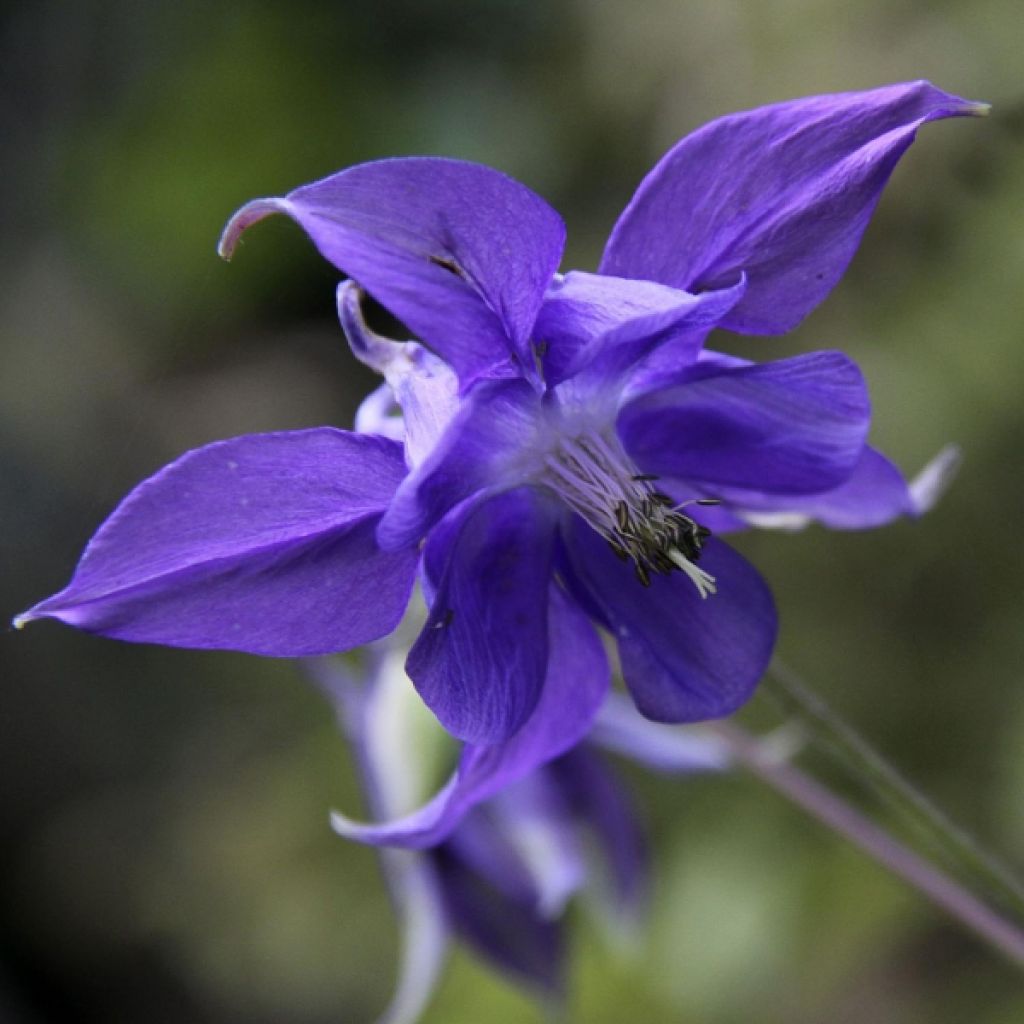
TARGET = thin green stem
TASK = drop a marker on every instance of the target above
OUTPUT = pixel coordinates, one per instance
(833, 811)
(953, 844)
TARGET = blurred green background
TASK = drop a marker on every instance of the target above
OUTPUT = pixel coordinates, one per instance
(165, 851)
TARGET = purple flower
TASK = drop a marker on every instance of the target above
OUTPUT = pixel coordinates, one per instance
(558, 435)
(501, 873)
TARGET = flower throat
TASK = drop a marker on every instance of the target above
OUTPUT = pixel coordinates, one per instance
(594, 477)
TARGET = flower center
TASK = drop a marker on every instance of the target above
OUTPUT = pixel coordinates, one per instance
(594, 477)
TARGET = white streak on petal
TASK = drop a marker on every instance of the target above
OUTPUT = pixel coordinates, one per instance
(932, 482)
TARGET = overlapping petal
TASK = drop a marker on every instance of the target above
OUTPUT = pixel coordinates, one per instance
(621, 729)
(480, 660)
(459, 252)
(875, 494)
(508, 931)
(794, 426)
(264, 543)
(605, 324)
(538, 818)
(684, 659)
(478, 453)
(603, 809)
(782, 193)
(575, 684)
(419, 383)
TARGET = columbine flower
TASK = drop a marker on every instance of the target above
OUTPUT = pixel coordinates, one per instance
(559, 432)
(501, 871)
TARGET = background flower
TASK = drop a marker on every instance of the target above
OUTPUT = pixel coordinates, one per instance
(500, 874)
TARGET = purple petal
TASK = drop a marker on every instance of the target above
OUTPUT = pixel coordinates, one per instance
(670, 364)
(478, 452)
(423, 386)
(458, 252)
(874, 495)
(782, 193)
(575, 684)
(590, 319)
(600, 804)
(480, 660)
(684, 659)
(793, 426)
(663, 748)
(538, 820)
(484, 843)
(510, 933)
(263, 544)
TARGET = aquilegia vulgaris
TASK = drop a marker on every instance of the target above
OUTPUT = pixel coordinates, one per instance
(500, 878)
(566, 444)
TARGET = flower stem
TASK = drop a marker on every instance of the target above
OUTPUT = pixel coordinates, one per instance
(834, 812)
(956, 847)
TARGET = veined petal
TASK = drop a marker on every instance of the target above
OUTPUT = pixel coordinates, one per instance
(480, 660)
(575, 684)
(479, 451)
(874, 495)
(684, 659)
(793, 426)
(263, 543)
(457, 251)
(599, 323)
(782, 193)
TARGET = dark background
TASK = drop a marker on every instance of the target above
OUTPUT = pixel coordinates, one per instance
(165, 851)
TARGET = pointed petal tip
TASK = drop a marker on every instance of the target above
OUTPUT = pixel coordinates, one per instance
(932, 482)
(33, 614)
(243, 218)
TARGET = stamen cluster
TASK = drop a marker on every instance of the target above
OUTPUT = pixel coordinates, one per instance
(594, 476)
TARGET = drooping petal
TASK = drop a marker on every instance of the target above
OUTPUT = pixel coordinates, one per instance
(575, 684)
(263, 543)
(874, 495)
(793, 426)
(479, 451)
(539, 822)
(480, 660)
(510, 933)
(423, 386)
(485, 845)
(782, 193)
(684, 659)
(600, 806)
(459, 252)
(592, 322)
